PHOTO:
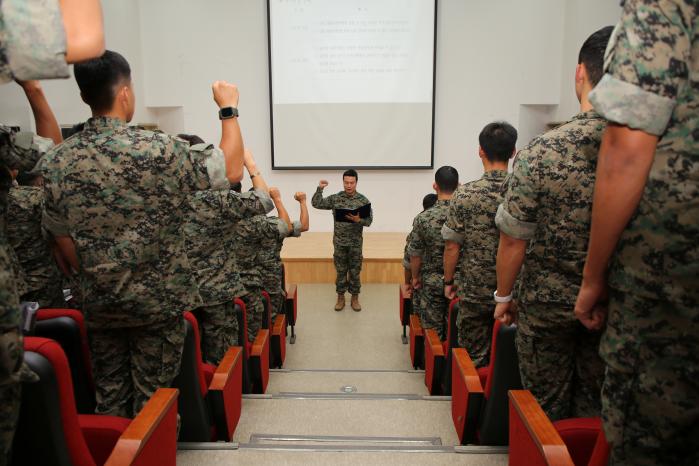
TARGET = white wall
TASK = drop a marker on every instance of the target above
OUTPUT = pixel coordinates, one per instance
(496, 59)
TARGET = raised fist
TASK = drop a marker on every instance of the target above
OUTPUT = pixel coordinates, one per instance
(225, 94)
(300, 197)
(274, 193)
(322, 184)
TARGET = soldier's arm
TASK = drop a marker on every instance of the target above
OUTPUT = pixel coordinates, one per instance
(416, 247)
(82, 20)
(258, 182)
(44, 119)
(453, 235)
(637, 95)
(304, 219)
(320, 202)
(67, 248)
(281, 210)
(365, 222)
(226, 95)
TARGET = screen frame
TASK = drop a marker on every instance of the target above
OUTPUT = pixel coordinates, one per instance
(344, 167)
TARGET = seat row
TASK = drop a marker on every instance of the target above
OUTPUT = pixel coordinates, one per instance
(57, 412)
(489, 406)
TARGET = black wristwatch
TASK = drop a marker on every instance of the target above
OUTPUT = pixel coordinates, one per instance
(227, 112)
(448, 283)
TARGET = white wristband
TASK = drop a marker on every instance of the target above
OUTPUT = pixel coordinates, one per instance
(502, 299)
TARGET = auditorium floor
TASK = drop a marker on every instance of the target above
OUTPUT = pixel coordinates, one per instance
(347, 395)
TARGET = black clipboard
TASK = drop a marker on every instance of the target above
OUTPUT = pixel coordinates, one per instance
(364, 212)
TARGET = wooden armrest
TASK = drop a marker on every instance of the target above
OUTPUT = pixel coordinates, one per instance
(529, 426)
(467, 370)
(145, 425)
(291, 291)
(432, 339)
(279, 324)
(226, 392)
(260, 341)
(467, 396)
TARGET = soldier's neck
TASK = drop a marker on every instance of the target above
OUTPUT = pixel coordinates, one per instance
(444, 197)
(111, 114)
(585, 105)
(489, 166)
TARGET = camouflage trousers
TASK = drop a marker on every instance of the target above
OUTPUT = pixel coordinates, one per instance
(435, 308)
(254, 310)
(650, 396)
(130, 364)
(559, 360)
(10, 390)
(219, 330)
(474, 323)
(348, 265)
(273, 286)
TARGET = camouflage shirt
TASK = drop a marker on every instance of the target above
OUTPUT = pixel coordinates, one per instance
(121, 193)
(32, 40)
(652, 84)
(21, 149)
(254, 238)
(471, 223)
(406, 254)
(427, 242)
(345, 234)
(213, 215)
(549, 203)
(271, 258)
(24, 232)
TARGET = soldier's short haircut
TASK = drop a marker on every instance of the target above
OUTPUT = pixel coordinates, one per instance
(351, 172)
(192, 139)
(99, 77)
(592, 53)
(447, 179)
(498, 140)
(429, 201)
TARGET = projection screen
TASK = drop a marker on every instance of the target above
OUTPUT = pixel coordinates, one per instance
(352, 83)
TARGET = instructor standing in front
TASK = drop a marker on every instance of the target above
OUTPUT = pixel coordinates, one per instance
(347, 237)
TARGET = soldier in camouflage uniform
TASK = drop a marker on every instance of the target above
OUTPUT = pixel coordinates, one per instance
(647, 199)
(546, 212)
(116, 200)
(213, 214)
(427, 202)
(426, 251)
(253, 237)
(271, 265)
(347, 236)
(471, 242)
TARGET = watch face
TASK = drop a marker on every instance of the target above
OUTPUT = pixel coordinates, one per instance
(229, 112)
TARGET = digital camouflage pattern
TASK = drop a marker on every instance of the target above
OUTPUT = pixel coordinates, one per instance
(347, 238)
(271, 268)
(21, 149)
(474, 326)
(650, 346)
(254, 238)
(212, 217)
(148, 355)
(471, 223)
(42, 57)
(25, 235)
(122, 193)
(428, 244)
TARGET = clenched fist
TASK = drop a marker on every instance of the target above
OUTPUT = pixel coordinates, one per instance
(300, 197)
(225, 94)
(322, 184)
(274, 193)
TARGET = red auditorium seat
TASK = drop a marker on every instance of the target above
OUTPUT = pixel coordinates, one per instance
(452, 341)
(278, 341)
(405, 309)
(67, 328)
(267, 318)
(417, 345)
(210, 397)
(291, 307)
(536, 441)
(256, 354)
(487, 419)
(51, 432)
(438, 356)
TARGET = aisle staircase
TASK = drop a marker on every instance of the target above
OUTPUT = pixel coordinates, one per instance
(348, 394)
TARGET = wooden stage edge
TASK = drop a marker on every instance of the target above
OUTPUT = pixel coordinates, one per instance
(309, 259)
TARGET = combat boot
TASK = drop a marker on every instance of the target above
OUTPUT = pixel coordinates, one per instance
(340, 304)
(355, 303)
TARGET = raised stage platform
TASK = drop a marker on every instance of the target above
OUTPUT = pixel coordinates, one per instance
(309, 259)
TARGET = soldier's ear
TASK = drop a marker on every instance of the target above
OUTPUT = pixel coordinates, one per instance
(580, 73)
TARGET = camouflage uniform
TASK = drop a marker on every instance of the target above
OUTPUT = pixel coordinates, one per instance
(213, 215)
(17, 151)
(43, 56)
(249, 237)
(548, 203)
(121, 194)
(471, 223)
(44, 279)
(347, 239)
(427, 243)
(416, 298)
(650, 396)
(271, 268)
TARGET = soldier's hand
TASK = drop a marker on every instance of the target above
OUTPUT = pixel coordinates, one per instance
(353, 218)
(591, 305)
(322, 184)
(450, 291)
(225, 94)
(416, 282)
(300, 196)
(274, 193)
(506, 313)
